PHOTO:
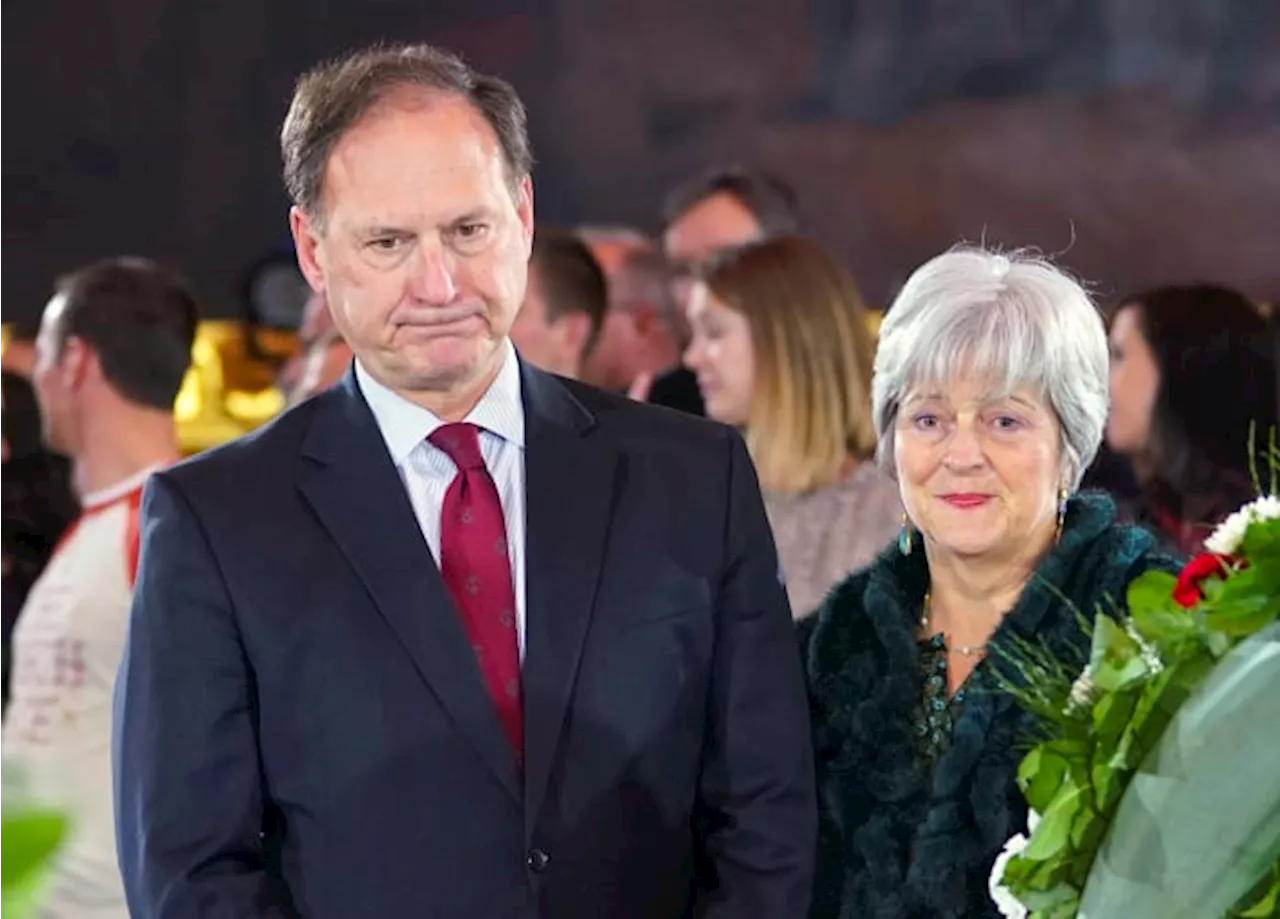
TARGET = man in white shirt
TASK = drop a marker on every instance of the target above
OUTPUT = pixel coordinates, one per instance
(114, 344)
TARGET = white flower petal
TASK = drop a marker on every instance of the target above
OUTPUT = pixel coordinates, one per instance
(1010, 906)
(1226, 539)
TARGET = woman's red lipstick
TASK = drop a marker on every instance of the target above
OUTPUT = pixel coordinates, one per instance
(966, 500)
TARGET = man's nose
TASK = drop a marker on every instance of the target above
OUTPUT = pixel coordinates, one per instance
(432, 277)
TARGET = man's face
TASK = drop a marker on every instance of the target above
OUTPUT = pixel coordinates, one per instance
(620, 351)
(424, 248)
(553, 345)
(715, 223)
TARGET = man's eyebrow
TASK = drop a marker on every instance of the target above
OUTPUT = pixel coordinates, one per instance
(381, 229)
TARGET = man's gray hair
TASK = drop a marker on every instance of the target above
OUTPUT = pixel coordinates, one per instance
(330, 98)
(1011, 318)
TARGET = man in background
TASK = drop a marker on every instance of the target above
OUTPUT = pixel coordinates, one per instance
(37, 500)
(718, 210)
(564, 305)
(113, 347)
(644, 330)
(323, 356)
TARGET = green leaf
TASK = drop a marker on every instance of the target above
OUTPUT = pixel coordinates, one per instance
(1262, 542)
(1217, 643)
(1029, 767)
(1169, 629)
(1151, 590)
(1053, 832)
(1243, 606)
(1262, 901)
(31, 837)
(1105, 783)
(1087, 834)
(1110, 716)
(1080, 825)
(1212, 589)
(1156, 616)
(1115, 660)
(1266, 908)
(1159, 700)
(1053, 904)
(1047, 779)
(1239, 615)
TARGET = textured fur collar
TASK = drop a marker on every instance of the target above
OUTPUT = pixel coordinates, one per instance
(898, 842)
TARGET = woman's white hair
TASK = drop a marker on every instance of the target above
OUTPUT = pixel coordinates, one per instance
(1013, 319)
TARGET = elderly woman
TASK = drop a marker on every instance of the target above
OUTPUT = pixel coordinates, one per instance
(990, 398)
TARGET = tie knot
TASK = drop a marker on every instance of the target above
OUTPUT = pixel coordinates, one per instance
(461, 443)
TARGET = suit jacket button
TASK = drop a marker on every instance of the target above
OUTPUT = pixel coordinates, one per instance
(537, 860)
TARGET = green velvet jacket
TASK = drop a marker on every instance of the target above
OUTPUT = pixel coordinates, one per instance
(900, 840)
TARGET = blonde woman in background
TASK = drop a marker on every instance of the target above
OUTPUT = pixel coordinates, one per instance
(781, 349)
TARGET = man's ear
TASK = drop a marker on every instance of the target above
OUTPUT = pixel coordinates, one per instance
(574, 329)
(645, 317)
(306, 242)
(524, 211)
(77, 363)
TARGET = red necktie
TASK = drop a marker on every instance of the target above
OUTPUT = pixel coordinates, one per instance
(476, 569)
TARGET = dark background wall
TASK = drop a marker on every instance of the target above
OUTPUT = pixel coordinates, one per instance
(1139, 139)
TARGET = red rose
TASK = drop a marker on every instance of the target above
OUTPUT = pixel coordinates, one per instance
(1208, 565)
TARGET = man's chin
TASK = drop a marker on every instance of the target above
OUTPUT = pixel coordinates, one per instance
(446, 363)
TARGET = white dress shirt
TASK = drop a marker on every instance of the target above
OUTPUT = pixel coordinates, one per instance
(427, 470)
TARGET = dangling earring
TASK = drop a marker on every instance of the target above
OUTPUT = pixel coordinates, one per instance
(1062, 511)
(904, 535)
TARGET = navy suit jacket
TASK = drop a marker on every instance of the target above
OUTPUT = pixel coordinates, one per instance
(302, 728)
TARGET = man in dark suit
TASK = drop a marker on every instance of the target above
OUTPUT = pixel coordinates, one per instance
(456, 637)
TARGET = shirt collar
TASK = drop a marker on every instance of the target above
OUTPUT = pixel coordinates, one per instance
(405, 424)
(113, 493)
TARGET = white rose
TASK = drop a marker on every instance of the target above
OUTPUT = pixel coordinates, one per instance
(1227, 537)
(1010, 906)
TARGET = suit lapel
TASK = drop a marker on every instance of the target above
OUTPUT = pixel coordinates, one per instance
(349, 479)
(569, 486)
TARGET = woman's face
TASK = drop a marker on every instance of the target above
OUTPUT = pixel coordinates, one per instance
(721, 355)
(1135, 382)
(980, 475)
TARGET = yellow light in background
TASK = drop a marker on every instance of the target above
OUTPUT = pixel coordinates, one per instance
(209, 413)
(204, 377)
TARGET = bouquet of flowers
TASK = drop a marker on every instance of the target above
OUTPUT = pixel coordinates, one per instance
(1156, 788)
